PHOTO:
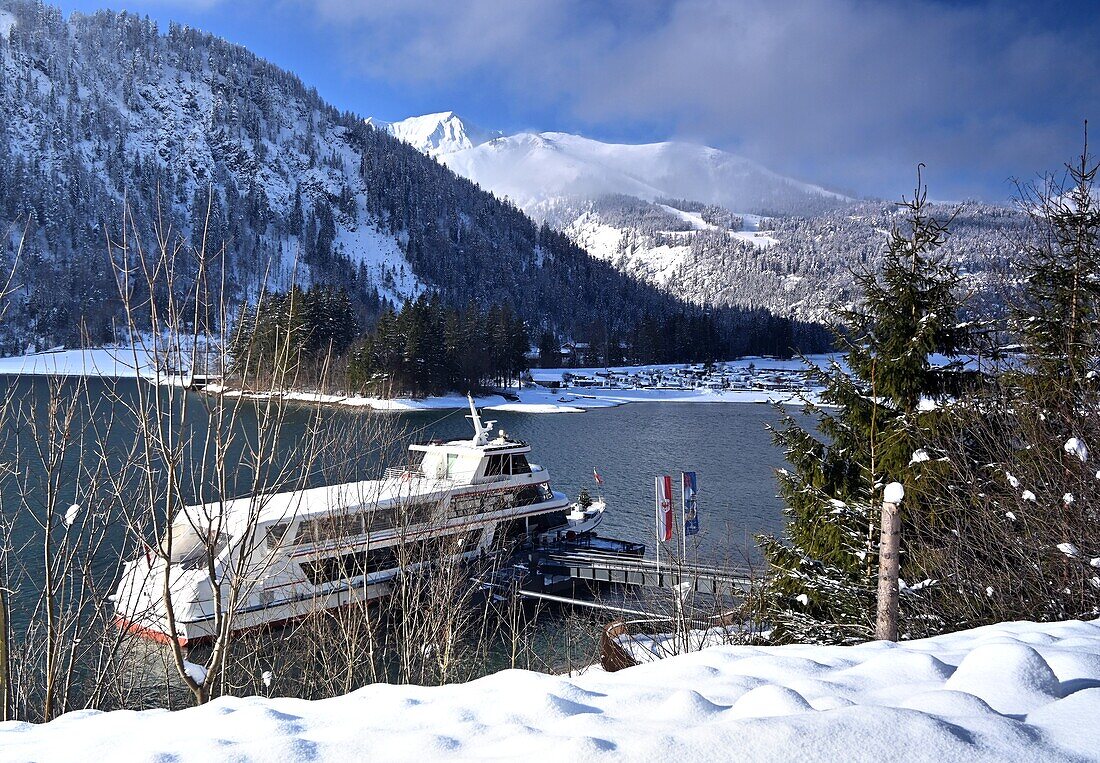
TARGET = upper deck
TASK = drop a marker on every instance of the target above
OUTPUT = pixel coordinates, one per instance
(443, 469)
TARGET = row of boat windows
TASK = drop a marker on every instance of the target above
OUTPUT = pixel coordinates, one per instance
(507, 463)
(352, 524)
(358, 563)
(480, 503)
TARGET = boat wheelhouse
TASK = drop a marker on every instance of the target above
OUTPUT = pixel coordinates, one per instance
(277, 557)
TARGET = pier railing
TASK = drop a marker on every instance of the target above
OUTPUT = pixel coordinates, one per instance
(627, 569)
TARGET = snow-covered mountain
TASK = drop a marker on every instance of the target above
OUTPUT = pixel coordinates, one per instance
(533, 169)
(106, 109)
(436, 134)
(704, 225)
(648, 210)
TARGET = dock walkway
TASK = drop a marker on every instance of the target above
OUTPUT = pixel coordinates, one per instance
(626, 569)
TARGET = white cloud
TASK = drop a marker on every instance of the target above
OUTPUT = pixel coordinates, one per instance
(844, 91)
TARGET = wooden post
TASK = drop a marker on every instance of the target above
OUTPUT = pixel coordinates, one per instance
(886, 622)
(5, 672)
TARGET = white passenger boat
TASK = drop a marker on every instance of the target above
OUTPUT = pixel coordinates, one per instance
(285, 555)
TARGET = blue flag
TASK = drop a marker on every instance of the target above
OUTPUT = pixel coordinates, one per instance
(690, 503)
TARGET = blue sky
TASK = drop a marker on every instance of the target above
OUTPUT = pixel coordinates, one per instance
(847, 93)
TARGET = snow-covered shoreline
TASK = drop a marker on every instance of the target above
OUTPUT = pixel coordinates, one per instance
(1016, 691)
(106, 362)
(124, 363)
(533, 400)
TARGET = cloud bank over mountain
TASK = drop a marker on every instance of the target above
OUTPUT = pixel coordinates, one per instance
(853, 94)
(535, 168)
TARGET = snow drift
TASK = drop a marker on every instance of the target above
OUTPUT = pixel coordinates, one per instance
(1018, 691)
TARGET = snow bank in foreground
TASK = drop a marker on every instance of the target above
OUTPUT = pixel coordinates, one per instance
(1019, 691)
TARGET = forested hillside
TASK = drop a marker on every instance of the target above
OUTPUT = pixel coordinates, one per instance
(799, 265)
(201, 139)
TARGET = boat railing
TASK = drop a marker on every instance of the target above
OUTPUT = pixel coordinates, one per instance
(406, 471)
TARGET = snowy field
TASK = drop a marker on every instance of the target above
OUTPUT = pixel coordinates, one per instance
(1014, 692)
(110, 362)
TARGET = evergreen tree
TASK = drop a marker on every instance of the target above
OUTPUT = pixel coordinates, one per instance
(821, 585)
(1059, 320)
(1025, 440)
(549, 350)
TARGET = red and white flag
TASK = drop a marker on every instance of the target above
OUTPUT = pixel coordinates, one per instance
(596, 474)
(664, 507)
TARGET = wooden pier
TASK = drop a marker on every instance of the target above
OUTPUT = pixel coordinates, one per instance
(632, 570)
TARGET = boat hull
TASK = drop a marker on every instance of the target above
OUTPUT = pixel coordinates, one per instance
(189, 632)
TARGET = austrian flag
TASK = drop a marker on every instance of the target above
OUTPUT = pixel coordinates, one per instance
(664, 507)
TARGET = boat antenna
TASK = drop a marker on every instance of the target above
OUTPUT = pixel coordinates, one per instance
(481, 431)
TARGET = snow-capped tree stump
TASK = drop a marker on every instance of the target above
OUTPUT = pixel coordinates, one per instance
(886, 623)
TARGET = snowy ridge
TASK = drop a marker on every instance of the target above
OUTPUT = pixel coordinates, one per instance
(654, 263)
(1016, 691)
(566, 180)
(661, 257)
(436, 134)
(532, 167)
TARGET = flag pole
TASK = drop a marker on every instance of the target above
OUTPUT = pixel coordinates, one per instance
(656, 526)
(683, 516)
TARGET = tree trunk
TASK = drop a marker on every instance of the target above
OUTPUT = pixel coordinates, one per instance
(886, 624)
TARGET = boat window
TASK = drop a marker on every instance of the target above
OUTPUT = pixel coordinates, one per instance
(544, 522)
(498, 501)
(359, 563)
(528, 495)
(465, 505)
(276, 533)
(329, 528)
(496, 466)
(416, 512)
(381, 519)
(452, 460)
(198, 557)
(519, 464)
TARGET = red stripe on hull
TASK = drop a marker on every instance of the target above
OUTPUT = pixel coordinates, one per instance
(150, 633)
(163, 638)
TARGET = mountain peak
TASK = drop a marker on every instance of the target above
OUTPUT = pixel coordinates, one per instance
(534, 167)
(436, 134)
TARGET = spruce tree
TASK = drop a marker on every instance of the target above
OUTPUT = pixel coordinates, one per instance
(1021, 486)
(1059, 319)
(821, 584)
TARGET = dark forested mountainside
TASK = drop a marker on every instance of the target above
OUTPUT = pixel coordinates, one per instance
(801, 266)
(194, 134)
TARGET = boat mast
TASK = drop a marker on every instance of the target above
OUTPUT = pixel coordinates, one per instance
(481, 431)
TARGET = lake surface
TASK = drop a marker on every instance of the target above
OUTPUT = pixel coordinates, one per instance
(727, 444)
